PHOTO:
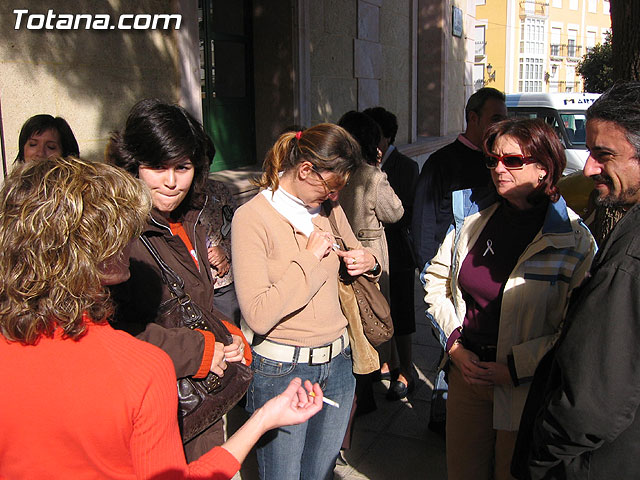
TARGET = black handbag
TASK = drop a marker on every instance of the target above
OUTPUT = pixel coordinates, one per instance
(201, 402)
(375, 313)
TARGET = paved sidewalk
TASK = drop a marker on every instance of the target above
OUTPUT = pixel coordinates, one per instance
(393, 442)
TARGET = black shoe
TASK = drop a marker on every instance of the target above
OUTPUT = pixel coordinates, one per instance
(399, 390)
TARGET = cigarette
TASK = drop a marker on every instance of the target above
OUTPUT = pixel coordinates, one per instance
(326, 400)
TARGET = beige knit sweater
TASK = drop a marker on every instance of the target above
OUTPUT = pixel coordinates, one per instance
(283, 290)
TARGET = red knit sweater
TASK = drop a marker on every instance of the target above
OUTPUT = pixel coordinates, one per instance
(101, 407)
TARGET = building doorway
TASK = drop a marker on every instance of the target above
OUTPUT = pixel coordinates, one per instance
(226, 76)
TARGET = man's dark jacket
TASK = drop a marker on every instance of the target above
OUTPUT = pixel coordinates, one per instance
(453, 167)
(580, 420)
(402, 173)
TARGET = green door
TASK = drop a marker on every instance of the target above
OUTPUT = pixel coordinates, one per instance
(226, 77)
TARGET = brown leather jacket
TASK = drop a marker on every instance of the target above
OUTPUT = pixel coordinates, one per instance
(137, 300)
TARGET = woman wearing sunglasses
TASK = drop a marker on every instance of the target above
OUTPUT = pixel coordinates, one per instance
(497, 291)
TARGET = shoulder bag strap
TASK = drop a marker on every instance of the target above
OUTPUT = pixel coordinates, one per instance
(172, 279)
(197, 317)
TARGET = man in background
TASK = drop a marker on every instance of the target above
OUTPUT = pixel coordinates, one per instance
(456, 166)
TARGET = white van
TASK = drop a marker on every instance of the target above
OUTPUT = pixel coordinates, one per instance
(565, 112)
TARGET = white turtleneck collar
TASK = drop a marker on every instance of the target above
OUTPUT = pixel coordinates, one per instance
(292, 208)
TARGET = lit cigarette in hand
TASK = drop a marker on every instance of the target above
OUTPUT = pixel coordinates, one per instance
(326, 400)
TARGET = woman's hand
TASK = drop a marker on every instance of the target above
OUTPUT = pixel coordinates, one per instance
(234, 352)
(218, 260)
(496, 373)
(357, 261)
(218, 363)
(469, 365)
(320, 243)
(292, 406)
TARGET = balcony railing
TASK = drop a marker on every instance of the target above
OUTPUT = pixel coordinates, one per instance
(564, 50)
(480, 48)
(564, 86)
(573, 51)
(534, 7)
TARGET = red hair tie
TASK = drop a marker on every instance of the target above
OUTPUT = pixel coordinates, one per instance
(298, 134)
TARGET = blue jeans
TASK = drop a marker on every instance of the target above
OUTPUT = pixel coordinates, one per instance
(307, 451)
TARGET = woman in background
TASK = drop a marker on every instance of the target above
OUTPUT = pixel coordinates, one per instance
(367, 199)
(402, 173)
(216, 218)
(104, 403)
(43, 136)
(369, 203)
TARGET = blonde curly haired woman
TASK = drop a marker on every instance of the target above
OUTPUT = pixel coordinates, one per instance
(79, 398)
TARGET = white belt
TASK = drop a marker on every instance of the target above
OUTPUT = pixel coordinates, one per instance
(311, 355)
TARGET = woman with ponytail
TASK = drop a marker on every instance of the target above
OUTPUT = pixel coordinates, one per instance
(285, 267)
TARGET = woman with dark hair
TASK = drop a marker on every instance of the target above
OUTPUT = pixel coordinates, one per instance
(43, 136)
(402, 173)
(168, 150)
(369, 203)
(497, 291)
(216, 218)
(367, 199)
(285, 265)
(104, 404)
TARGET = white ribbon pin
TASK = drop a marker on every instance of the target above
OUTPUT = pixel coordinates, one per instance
(489, 249)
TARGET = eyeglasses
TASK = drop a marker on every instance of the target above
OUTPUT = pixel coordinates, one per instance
(512, 161)
(324, 182)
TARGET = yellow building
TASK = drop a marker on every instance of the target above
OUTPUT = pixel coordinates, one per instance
(535, 45)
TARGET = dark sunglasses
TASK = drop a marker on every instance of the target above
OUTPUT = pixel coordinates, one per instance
(513, 161)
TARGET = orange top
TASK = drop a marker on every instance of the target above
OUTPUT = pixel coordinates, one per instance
(100, 407)
(178, 229)
(209, 338)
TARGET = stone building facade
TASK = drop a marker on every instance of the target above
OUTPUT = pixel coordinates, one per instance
(247, 68)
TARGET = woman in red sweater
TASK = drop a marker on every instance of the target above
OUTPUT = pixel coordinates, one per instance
(81, 399)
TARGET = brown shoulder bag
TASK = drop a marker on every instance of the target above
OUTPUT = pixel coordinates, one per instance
(375, 313)
(201, 402)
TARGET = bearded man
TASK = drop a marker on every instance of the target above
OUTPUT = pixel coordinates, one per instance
(581, 418)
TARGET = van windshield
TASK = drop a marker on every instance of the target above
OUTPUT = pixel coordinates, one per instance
(574, 124)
